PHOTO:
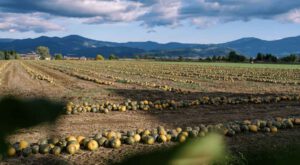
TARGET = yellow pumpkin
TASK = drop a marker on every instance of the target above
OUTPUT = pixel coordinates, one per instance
(11, 151)
(253, 128)
(23, 144)
(92, 145)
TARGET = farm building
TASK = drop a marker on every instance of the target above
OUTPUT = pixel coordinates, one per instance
(75, 58)
(48, 58)
(83, 58)
(71, 58)
(30, 56)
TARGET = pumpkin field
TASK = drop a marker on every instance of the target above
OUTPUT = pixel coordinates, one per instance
(115, 109)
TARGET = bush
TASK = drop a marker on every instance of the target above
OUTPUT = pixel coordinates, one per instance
(113, 57)
(99, 57)
(58, 57)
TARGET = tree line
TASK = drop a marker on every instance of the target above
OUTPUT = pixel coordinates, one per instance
(9, 55)
(232, 56)
(260, 58)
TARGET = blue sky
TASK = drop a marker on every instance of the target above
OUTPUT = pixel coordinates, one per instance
(192, 21)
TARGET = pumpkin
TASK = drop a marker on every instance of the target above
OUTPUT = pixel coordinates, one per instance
(92, 145)
(146, 132)
(63, 143)
(274, 129)
(56, 150)
(130, 140)
(137, 137)
(98, 136)
(44, 148)
(169, 137)
(193, 133)
(111, 135)
(185, 133)
(115, 143)
(76, 144)
(27, 152)
(23, 144)
(162, 139)
(122, 109)
(35, 149)
(181, 138)
(253, 128)
(149, 140)
(11, 151)
(101, 141)
(71, 149)
(71, 138)
(53, 141)
(80, 139)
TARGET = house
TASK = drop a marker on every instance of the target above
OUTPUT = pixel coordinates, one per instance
(30, 56)
(83, 58)
(71, 58)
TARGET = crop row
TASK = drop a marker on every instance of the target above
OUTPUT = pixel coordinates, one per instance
(115, 139)
(37, 75)
(84, 74)
(2, 67)
(146, 105)
(74, 72)
(187, 72)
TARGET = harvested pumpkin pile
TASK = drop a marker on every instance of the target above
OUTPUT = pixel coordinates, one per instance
(115, 139)
(146, 105)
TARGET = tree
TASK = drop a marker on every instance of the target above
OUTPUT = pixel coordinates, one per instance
(291, 58)
(259, 57)
(180, 58)
(208, 59)
(43, 51)
(2, 56)
(270, 58)
(58, 56)
(99, 57)
(234, 57)
(113, 57)
(214, 58)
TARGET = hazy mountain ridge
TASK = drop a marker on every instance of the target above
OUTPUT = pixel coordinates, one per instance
(76, 45)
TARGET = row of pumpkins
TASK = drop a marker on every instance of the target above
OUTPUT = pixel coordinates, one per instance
(146, 105)
(115, 139)
(36, 75)
(2, 67)
(82, 74)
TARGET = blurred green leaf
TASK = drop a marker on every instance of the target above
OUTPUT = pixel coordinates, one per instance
(206, 150)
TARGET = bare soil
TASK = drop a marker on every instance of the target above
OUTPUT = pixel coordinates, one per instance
(17, 82)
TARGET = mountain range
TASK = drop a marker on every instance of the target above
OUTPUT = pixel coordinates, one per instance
(75, 45)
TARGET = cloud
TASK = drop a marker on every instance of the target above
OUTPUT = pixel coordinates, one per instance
(152, 13)
(13, 22)
(292, 16)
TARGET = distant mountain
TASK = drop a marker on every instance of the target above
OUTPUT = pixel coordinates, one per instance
(3, 40)
(251, 46)
(75, 45)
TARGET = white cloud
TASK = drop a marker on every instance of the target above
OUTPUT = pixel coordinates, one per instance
(292, 16)
(13, 22)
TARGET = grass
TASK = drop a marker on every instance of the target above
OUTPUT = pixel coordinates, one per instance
(245, 65)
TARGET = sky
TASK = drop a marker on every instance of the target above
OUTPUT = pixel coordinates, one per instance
(189, 21)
